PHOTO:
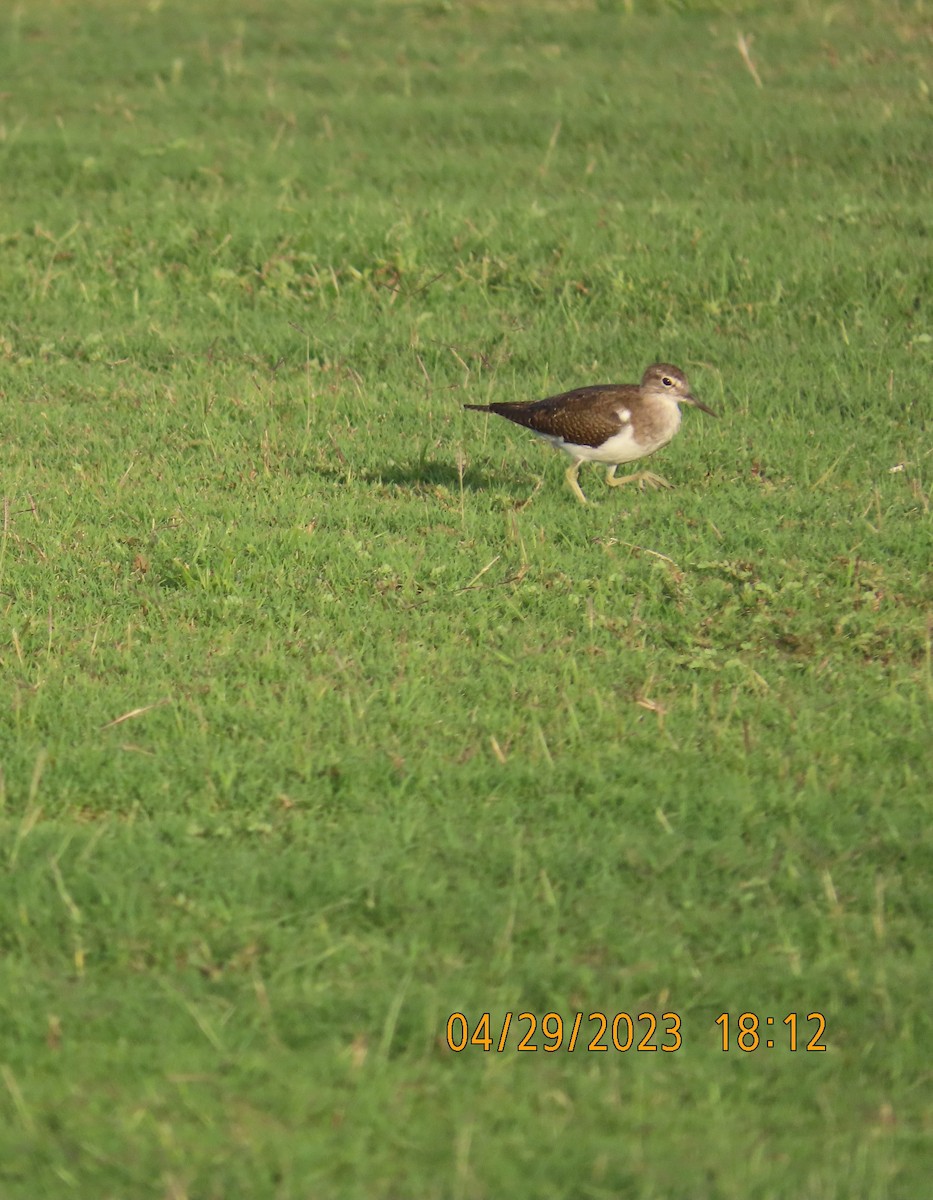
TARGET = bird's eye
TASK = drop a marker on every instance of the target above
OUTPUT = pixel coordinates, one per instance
(667, 381)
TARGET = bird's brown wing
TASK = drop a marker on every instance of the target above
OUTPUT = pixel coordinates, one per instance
(585, 417)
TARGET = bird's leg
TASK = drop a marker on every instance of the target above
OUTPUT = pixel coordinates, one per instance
(641, 477)
(571, 477)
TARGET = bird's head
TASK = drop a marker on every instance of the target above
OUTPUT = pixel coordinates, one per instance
(667, 380)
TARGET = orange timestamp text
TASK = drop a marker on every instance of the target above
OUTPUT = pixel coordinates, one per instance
(601, 1032)
(749, 1032)
(598, 1031)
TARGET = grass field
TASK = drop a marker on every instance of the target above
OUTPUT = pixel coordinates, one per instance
(329, 713)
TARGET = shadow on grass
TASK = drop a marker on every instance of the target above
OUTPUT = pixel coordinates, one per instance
(437, 474)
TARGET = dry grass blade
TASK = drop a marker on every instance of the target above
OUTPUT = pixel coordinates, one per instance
(744, 45)
(136, 712)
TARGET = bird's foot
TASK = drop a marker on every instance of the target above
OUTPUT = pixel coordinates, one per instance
(642, 478)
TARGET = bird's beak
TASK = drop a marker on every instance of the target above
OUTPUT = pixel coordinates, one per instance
(691, 399)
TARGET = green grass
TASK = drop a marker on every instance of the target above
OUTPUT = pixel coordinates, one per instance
(329, 713)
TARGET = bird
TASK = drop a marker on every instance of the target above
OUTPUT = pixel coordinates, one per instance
(611, 423)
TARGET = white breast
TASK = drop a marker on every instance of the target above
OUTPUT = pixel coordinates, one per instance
(621, 448)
